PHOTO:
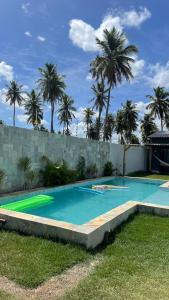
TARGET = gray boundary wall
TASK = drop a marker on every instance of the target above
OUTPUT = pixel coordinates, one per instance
(18, 142)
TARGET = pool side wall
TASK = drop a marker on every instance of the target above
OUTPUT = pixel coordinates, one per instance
(89, 235)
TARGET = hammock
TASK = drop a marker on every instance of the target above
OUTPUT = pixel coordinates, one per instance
(162, 163)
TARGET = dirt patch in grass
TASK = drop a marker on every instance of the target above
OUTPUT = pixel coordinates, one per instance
(29, 261)
(54, 288)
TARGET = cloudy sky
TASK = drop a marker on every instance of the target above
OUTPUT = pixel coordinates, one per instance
(63, 32)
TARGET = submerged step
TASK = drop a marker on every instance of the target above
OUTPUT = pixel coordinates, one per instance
(89, 190)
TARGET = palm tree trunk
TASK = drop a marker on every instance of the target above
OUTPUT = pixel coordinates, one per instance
(162, 124)
(14, 115)
(87, 130)
(107, 110)
(52, 114)
(124, 158)
(99, 117)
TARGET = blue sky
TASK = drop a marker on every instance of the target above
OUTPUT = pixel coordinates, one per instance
(63, 32)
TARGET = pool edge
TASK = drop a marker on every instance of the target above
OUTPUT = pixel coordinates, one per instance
(90, 234)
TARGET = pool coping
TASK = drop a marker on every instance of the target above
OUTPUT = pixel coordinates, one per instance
(90, 234)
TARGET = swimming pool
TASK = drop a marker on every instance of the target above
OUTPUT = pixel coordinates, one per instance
(78, 203)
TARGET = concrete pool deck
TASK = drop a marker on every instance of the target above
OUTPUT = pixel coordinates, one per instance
(90, 234)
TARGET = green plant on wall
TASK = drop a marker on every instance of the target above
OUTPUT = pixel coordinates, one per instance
(91, 171)
(56, 173)
(108, 169)
(81, 168)
(2, 176)
(25, 166)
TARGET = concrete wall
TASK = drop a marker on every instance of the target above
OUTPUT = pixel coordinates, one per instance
(18, 142)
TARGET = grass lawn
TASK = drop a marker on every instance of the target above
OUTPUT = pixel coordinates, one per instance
(5, 296)
(29, 260)
(135, 266)
(149, 175)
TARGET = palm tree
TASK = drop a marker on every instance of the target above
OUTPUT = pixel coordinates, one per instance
(148, 127)
(110, 125)
(134, 139)
(88, 119)
(159, 104)
(120, 126)
(65, 112)
(130, 116)
(14, 95)
(2, 122)
(94, 128)
(33, 109)
(52, 87)
(115, 63)
(99, 99)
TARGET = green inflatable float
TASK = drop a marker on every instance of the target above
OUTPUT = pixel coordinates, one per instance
(29, 203)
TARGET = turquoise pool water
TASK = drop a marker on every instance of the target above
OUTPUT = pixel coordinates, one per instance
(77, 205)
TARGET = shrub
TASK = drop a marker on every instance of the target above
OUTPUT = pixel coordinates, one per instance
(29, 175)
(108, 169)
(81, 168)
(57, 174)
(91, 171)
(2, 175)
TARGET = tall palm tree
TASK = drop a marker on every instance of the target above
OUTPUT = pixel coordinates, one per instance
(65, 112)
(14, 95)
(120, 126)
(52, 87)
(115, 62)
(130, 117)
(159, 104)
(110, 125)
(88, 119)
(33, 109)
(99, 100)
(148, 127)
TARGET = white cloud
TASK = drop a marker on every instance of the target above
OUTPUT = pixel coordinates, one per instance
(141, 108)
(135, 19)
(6, 71)
(84, 35)
(159, 75)
(28, 33)
(138, 67)
(79, 114)
(89, 77)
(22, 118)
(3, 95)
(44, 122)
(25, 7)
(41, 38)
(78, 129)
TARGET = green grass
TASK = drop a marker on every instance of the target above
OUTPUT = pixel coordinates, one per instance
(149, 175)
(135, 266)
(30, 261)
(5, 296)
